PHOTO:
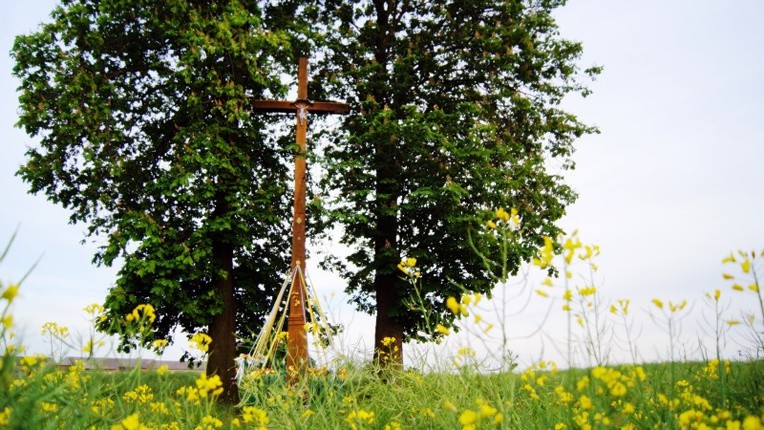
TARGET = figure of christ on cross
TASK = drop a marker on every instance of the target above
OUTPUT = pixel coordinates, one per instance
(297, 343)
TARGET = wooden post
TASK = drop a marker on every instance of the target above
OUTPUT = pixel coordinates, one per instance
(297, 343)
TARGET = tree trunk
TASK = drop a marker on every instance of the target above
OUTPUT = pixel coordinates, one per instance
(223, 327)
(388, 332)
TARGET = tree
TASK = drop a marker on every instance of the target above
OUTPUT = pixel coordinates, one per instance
(146, 135)
(456, 112)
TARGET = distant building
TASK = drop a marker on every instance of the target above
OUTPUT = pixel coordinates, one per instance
(114, 364)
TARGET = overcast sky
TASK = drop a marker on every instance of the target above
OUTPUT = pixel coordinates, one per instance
(670, 186)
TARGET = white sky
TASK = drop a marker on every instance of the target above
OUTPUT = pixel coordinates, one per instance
(671, 185)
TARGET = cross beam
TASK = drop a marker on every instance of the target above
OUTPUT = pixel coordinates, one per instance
(297, 343)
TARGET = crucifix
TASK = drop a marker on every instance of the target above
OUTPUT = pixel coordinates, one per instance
(297, 341)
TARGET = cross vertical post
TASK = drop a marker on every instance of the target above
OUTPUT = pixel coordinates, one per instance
(297, 341)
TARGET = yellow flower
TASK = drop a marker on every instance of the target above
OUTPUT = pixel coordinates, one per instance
(657, 302)
(93, 309)
(468, 418)
(141, 394)
(251, 414)
(677, 307)
(442, 329)
(143, 310)
(618, 390)
(746, 265)
(752, 422)
(49, 407)
(514, 218)
(453, 305)
(466, 351)
(210, 422)
(212, 385)
(585, 402)
(466, 300)
(546, 254)
(727, 276)
(490, 224)
(10, 293)
(502, 215)
(393, 425)
(201, 341)
(132, 422)
(754, 288)
(359, 416)
(448, 405)
(624, 304)
(487, 410)
(582, 383)
(567, 295)
(159, 408)
(159, 344)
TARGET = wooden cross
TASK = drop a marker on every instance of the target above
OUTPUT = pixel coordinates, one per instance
(297, 343)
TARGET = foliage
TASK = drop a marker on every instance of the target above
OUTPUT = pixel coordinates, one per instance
(455, 110)
(145, 135)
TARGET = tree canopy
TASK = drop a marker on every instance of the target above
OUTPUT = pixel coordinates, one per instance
(456, 113)
(147, 136)
(142, 110)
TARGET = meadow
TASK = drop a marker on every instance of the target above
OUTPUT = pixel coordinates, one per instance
(351, 393)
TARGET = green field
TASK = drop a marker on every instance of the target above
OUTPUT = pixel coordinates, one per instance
(700, 395)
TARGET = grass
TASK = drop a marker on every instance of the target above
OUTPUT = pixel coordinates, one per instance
(542, 397)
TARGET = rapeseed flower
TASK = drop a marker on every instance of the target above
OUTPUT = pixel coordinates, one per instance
(11, 292)
(468, 419)
(132, 422)
(360, 416)
(201, 341)
(141, 394)
(209, 423)
(255, 416)
(212, 385)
